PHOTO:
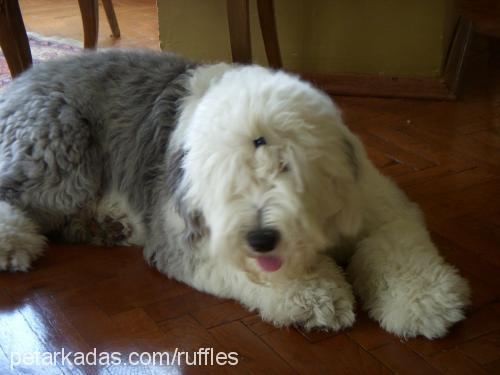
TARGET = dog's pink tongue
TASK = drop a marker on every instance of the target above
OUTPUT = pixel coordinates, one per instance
(269, 263)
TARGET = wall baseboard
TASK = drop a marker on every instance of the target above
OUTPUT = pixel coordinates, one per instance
(445, 87)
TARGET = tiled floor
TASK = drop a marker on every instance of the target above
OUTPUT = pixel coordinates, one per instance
(445, 155)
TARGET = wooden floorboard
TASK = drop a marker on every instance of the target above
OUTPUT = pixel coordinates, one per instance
(445, 155)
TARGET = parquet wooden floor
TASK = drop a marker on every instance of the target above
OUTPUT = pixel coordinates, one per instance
(445, 155)
(138, 21)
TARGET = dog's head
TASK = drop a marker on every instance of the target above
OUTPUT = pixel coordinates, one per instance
(268, 167)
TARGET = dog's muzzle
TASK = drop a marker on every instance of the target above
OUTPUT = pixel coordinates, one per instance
(263, 240)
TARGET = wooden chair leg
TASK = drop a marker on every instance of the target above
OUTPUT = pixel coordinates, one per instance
(269, 33)
(13, 38)
(111, 16)
(239, 30)
(90, 18)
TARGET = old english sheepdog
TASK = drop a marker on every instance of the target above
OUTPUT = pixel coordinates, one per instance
(240, 181)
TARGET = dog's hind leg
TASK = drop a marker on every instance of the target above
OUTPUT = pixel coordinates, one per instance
(51, 167)
(110, 222)
(117, 222)
(20, 239)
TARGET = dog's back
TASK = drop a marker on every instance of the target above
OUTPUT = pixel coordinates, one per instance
(76, 129)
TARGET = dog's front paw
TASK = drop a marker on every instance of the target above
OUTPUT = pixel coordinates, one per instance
(326, 307)
(20, 242)
(316, 303)
(426, 305)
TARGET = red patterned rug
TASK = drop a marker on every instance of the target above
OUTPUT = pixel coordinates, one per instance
(42, 49)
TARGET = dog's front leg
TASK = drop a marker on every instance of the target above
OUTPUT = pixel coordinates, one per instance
(397, 271)
(321, 299)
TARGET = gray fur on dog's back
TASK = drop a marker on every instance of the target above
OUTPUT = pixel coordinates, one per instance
(72, 129)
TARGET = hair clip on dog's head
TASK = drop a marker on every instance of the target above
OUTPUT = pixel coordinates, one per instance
(261, 141)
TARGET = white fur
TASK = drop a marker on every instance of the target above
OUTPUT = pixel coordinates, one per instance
(322, 202)
(402, 280)
(322, 300)
(313, 183)
(20, 241)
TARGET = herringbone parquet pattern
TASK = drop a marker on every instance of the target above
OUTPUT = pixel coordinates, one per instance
(445, 155)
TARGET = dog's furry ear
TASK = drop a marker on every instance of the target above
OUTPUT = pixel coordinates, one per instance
(194, 222)
(206, 76)
(195, 227)
(350, 218)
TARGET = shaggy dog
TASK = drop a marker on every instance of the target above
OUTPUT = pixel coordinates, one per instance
(240, 181)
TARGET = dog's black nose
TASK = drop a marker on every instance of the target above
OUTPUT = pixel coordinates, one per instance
(263, 240)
